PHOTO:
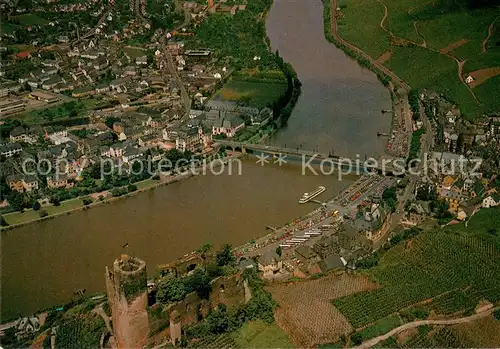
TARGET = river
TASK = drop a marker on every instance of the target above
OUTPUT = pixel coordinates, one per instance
(44, 263)
(340, 108)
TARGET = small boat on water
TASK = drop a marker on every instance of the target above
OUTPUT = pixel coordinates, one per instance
(309, 196)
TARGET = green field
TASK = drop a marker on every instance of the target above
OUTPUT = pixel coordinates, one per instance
(258, 334)
(133, 52)
(31, 215)
(146, 183)
(253, 334)
(258, 94)
(30, 19)
(380, 327)
(455, 268)
(438, 23)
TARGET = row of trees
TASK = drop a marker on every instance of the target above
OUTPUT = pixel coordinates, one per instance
(283, 106)
(414, 104)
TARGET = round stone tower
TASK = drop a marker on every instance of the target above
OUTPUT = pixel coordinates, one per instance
(127, 290)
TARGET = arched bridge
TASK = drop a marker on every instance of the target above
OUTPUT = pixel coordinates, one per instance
(273, 150)
(381, 165)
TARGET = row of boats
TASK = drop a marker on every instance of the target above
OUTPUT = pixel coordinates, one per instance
(299, 239)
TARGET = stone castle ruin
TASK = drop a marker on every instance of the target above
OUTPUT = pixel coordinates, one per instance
(126, 287)
(134, 320)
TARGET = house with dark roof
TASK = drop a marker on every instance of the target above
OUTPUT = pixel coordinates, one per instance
(18, 134)
(331, 262)
(227, 125)
(10, 149)
(269, 264)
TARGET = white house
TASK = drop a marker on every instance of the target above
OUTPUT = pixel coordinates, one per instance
(491, 201)
(28, 324)
(450, 117)
(469, 79)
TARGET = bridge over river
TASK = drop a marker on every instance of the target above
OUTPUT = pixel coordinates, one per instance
(385, 165)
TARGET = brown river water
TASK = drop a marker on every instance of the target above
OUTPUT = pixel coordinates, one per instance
(44, 263)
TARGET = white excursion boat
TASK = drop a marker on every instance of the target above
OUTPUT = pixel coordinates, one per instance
(309, 196)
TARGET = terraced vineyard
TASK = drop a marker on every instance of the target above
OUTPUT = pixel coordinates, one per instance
(455, 269)
(305, 310)
(80, 333)
(224, 341)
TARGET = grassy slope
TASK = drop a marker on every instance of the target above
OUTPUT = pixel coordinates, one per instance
(367, 14)
(441, 23)
(432, 264)
(260, 93)
(258, 334)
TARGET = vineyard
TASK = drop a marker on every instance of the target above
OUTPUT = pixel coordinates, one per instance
(82, 332)
(305, 311)
(223, 341)
(447, 271)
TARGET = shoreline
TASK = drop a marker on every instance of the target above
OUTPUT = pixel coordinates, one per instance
(397, 87)
(112, 199)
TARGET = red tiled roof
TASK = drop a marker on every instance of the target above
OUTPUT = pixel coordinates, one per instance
(24, 54)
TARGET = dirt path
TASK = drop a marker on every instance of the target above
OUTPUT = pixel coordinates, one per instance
(388, 72)
(423, 43)
(386, 12)
(100, 311)
(491, 29)
(373, 341)
(461, 76)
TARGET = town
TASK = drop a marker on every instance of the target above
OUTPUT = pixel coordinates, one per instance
(96, 97)
(77, 102)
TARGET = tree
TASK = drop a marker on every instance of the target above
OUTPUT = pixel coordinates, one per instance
(4, 188)
(279, 251)
(55, 200)
(3, 223)
(389, 197)
(357, 338)
(87, 201)
(214, 270)
(225, 256)
(170, 289)
(203, 250)
(131, 188)
(218, 320)
(199, 281)
(35, 206)
(426, 193)
(16, 201)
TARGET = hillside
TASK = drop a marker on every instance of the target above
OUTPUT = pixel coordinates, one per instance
(446, 273)
(432, 44)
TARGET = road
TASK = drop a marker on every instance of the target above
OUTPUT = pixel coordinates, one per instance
(187, 15)
(367, 184)
(396, 79)
(370, 343)
(172, 70)
(427, 141)
(92, 31)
